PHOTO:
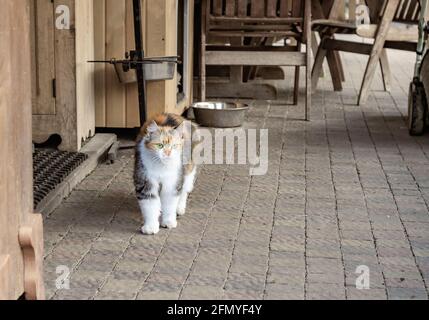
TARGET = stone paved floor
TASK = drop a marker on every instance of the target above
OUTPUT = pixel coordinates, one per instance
(350, 188)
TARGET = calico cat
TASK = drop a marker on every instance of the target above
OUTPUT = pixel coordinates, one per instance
(162, 180)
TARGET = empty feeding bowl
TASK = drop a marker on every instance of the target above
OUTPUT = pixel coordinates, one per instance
(220, 114)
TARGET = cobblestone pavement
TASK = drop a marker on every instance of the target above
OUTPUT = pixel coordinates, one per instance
(348, 189)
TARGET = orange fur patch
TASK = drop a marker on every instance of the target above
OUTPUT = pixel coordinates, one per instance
(163, 120)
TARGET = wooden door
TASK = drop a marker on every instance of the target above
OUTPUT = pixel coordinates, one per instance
(21, 235)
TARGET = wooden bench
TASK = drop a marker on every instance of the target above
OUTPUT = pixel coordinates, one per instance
(251, 27)
(393, 24)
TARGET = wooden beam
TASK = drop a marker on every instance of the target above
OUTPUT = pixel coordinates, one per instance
(347, 46)
(239, 58)
(241, 90)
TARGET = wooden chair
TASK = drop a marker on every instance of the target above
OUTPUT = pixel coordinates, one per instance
(251, 25)
(394, 24)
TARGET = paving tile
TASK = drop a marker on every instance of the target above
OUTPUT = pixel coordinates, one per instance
(349, 188)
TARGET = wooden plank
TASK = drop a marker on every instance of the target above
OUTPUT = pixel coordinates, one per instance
(412, 15)
(16, 181)
(257, 34)
(342, 10)
(100, 68)
(272, 8)
(44, 54)
(170, 49)
(257, 8)
(217, 7)
(115, 48)
(267, 27)
(298, 8)
(347, 46)
(275, 20)
(230, 8)
(191, 44)
(255, 48)
(65, 121)
(239, 58)
(160, 37)
(242, 8)
(242, 90)
(85, 96)
(397, 32)
(156, 30)
(337, 10)
(352, 10)
(132, 101)
(285, 8)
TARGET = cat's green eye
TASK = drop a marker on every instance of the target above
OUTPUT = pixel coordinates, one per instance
(159, 146)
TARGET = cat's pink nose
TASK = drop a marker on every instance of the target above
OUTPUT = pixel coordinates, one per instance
(168, 153)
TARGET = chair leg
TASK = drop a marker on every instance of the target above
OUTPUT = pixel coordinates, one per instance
(335, 71)
(297, 78)
(296, 85)
(368, 77)
(203, 79)
(308, 92)
(385, 70)
(339, 64)
(377, 49)
(203, 49)
(315, 48)
(308, 80)
(203, 73)
(318, 65)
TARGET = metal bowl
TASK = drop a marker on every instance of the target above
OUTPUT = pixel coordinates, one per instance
(220, 114)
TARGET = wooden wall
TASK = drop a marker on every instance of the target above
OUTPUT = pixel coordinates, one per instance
(116, 103)
(16, 192)
(62, 54)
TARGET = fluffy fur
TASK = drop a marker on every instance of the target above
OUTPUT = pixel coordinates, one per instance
(162, 181)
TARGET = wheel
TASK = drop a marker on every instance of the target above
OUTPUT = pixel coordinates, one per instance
(417, 109)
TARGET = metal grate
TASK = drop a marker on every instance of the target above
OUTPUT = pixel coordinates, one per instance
(50, 168)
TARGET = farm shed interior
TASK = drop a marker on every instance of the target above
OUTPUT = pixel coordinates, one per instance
(72, 97)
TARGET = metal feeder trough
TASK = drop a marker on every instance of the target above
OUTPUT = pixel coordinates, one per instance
(220, 114)
(152, 72)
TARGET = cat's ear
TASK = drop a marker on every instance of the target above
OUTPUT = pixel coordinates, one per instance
(152, 127)
(184, 129)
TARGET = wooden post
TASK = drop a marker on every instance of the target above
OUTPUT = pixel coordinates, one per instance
(20, 257)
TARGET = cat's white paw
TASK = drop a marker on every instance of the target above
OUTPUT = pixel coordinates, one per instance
(150, 229)
(169, 224)
(181, 211)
